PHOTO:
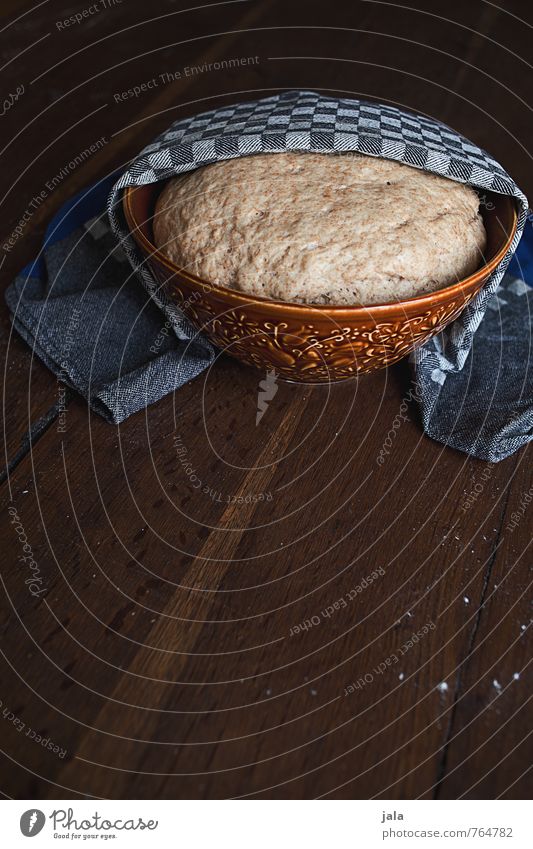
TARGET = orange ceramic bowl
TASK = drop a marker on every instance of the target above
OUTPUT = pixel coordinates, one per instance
(314, 344)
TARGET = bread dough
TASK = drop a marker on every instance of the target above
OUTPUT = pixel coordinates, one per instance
(321, 228)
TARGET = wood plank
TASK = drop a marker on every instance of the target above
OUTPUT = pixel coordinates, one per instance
(141, 639)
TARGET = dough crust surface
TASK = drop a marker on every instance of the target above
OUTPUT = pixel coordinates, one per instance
(321, 228)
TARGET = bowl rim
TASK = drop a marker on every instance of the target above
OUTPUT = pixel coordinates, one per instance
(430, 299)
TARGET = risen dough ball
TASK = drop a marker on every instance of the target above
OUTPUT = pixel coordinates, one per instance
(321, 228)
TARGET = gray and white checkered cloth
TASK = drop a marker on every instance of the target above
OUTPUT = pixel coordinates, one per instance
(77, 307)
(306, 121)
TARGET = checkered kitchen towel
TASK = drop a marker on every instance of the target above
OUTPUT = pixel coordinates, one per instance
(473, 381)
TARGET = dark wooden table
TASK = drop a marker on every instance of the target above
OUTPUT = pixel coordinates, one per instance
(167, 657)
